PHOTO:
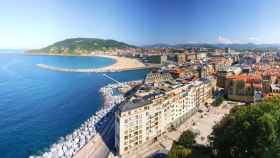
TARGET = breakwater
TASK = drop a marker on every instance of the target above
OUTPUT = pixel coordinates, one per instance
(69, 145)
(54, 68)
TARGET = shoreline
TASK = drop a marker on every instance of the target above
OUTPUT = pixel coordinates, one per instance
(121, 64)
(78, 141)
(49, 54)
(96, 147)
(70, 144)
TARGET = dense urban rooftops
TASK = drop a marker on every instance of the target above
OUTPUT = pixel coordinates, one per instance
(146, 93)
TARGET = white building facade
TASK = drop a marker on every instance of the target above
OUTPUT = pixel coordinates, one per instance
(141, 122)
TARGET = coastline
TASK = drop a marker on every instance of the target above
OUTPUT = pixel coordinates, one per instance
(121, 64)
(88, 136)
(50, 54)
(96, 147)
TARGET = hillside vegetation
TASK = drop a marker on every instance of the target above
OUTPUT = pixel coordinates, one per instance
(251, 131)
(82, 46)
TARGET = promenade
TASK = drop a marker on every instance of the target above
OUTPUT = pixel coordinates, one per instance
(199, 122)
(101, 146)
(97, 146)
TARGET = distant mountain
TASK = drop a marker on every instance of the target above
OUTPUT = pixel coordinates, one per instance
(82, 46)
(158, 45)
(206, 45)
(187, 45)
(248, 46)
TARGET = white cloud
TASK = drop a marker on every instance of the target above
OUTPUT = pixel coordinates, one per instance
(224, 40)
(254, 39)
(251, 39)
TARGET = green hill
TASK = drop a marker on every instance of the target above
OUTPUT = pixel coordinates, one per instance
(82, 46)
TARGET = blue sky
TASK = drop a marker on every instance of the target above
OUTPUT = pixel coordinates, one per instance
(35, 24)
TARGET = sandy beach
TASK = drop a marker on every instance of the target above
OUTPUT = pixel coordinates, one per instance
(122, 64)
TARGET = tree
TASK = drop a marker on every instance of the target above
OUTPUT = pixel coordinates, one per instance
(182, 148)
(218, 101)
(249, 132)
(187, 139)
(179, 151)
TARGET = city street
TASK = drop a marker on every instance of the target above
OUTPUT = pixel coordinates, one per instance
(97, 147)
(202, 125)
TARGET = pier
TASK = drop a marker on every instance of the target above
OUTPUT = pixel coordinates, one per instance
(107, 76)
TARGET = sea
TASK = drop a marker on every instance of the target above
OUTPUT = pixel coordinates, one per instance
(39, 106)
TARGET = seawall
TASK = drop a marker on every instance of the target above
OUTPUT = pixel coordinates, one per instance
(72, 143)
(54, 68)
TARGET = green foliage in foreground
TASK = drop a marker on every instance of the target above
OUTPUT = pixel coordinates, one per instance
(249, 132)
(179, 151)
(184, 148)
(187, 139)
(218, 101)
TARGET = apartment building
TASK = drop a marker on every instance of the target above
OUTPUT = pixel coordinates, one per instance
(226, 72)
(152, 111)
(243, 87)
(181, 58)
(155, 77)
